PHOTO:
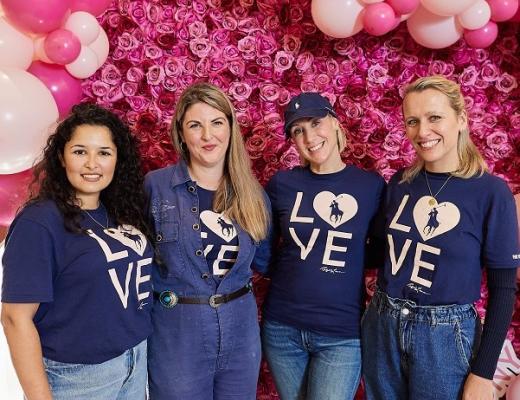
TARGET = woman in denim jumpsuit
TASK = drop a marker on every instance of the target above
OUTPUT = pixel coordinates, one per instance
(206, 342)
(445, 219)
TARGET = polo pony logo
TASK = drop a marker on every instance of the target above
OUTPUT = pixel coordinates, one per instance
(335, 210)
(432, 221)
(129, 237)
(219, 225)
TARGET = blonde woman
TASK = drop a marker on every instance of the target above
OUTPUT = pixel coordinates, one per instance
(210, 218)
(446, 218)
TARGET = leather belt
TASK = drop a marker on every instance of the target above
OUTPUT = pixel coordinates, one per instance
(169, 299)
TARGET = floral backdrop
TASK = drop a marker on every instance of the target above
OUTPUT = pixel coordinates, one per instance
(263, 52)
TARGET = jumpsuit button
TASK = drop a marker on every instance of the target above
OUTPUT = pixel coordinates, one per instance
(199, 252)
(196, 227)
(205, 275)
(193, 209)
(158, 237)
(191, 189)
(405, 311)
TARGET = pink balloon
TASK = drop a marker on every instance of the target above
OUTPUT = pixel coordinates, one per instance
(94, 7)
(404, 6)
(84, 26)
(483, 37)
(516, 17)
(513, 391)
(27, 112)
(476, 16)
(65, 89)
(433, 31)
(62, 46)
(502, 10)
(13, 193)
(16, 49)
(337, 18)
(447, 8)
(36, 16)
(379, 19)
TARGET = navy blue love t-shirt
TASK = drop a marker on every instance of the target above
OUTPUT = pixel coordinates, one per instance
(323, 222)
(436, 249)
(94, 288)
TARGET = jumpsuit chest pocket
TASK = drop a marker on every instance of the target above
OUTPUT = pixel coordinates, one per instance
(167, 247)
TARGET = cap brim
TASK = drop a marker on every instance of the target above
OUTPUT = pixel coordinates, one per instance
(305, 113)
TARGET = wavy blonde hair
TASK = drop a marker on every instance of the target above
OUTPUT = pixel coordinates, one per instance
(239, 195)
(471, 162)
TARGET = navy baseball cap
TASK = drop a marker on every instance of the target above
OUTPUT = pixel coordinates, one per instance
(306, 105)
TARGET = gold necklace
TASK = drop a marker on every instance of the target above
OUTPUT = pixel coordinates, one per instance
(96, 221)
(433, 200)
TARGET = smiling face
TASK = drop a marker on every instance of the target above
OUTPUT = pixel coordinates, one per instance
(317, 142)
(433, 126)
(89, 159)
(206, 132)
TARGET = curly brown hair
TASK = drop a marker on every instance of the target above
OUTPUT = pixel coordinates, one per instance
(123, 198)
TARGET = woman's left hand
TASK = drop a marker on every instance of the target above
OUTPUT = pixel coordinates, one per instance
(478, 388)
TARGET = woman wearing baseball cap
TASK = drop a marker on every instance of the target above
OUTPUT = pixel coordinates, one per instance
(322, 214)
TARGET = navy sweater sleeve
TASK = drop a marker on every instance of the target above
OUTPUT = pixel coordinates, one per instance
(502, 289)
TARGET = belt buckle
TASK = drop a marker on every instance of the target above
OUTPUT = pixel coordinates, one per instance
(168, 299)
(213, 300)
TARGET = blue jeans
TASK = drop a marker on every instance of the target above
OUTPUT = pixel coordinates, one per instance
(417, 352)
(121, 378)
(308, 366)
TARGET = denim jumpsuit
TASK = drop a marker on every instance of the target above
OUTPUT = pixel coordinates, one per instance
(197, 351)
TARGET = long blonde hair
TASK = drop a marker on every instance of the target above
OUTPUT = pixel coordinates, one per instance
(471, 162)
(239, 195)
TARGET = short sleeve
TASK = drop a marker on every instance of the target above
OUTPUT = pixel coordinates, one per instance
(501, 247)
(28, 264)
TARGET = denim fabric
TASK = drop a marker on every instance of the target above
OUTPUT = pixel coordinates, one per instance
(309, 366)
(417, 352)
(121, 378)
(196, 351)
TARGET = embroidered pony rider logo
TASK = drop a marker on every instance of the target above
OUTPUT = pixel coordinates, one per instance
(219, 225)
(432, 221)
(335, 210)
(129, 237)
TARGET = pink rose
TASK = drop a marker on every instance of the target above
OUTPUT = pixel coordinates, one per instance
(240, 12)
(246, 3)
(468, 76)
(114, 94)
(273, 120)
(247, 47)
(283, 61)
(291, 44)
(165, 27)
(322, 81)
(134, 74)
(265, 45)
(126, 41)
(155, 75)
(244, 119)
(344, 46)
(153, 13)
(166, 101)
(110, 74)
(119, 54)
(183, 34)
(129, 88)
(284, 97)
(137, 103)
(377, 74)
(255, 144)
(269, 92)
(166, 40)
(201, 70)
(197, 29)
(308, 28)
(153, 52)
(216, 15)
(237, 67)
(304, 61)
(489, 71)
(199, 6)
(295, 13)
(506, 83)
(248, 25)
(171, 84)
(290, 158)
(137, 12)
(308, 86)
(240, 90)
(230, 23)
(216, 65)
(99, 88)
(114, 20)
(271, 23)
(201, 47)
(409, 60)
(220, 37)
(172, 67)
(230, 52)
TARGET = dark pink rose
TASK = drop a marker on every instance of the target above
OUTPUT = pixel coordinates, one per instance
(129, 88)
(247, 47)
(155, 75)
(246, 3)
(344, 46)
(183, 34)
(220, 37)
(197, 29)
(134, 74)
(166, 101)
(244, 119)
(199, 6)
(295, 13)
(146, 122)
(173, 67)
(273, 120)
(201, 47)
(215, 3)
(119, 54)
(152, 52)
(269, 107)
(137, 103)
(269, 92)
(291, 44)
(240, 12)
(165, 27)
(110, 74)
(322, 81)
(304, 61)
(506, 83)
(153, 13)
(240, 90)
(230, 23)
(171, 84)
(290, 158)
(248, 25)
(100, 88)
(284, 97)
(216, 15)
(255, 144)
(283, 61)
(126, 41)
(271, 22)
(489, 71)
(409, 60)
(216, 65)
(114, 20)
(237, 67)
(137, 12)
(265, 45)
(515, 121)
(201, 70)
(166, 40)
(230, 52)
(114, 94)
(308, 86)
(264, 61)
(308, 28)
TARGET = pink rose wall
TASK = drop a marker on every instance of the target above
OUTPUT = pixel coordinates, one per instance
(263, 52)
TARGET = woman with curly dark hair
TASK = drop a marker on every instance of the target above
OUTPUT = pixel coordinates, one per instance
(76, 288)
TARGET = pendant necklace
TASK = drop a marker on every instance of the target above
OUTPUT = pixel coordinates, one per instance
(433, 197)
(96, 221)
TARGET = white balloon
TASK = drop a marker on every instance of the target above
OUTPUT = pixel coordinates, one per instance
(447, 7)
(16, 49)
(372, 1)
(100, 46)
(476, 16)
(338, 18)
(27, 112)
(85, 65)
(84, 26)
(433, 31)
